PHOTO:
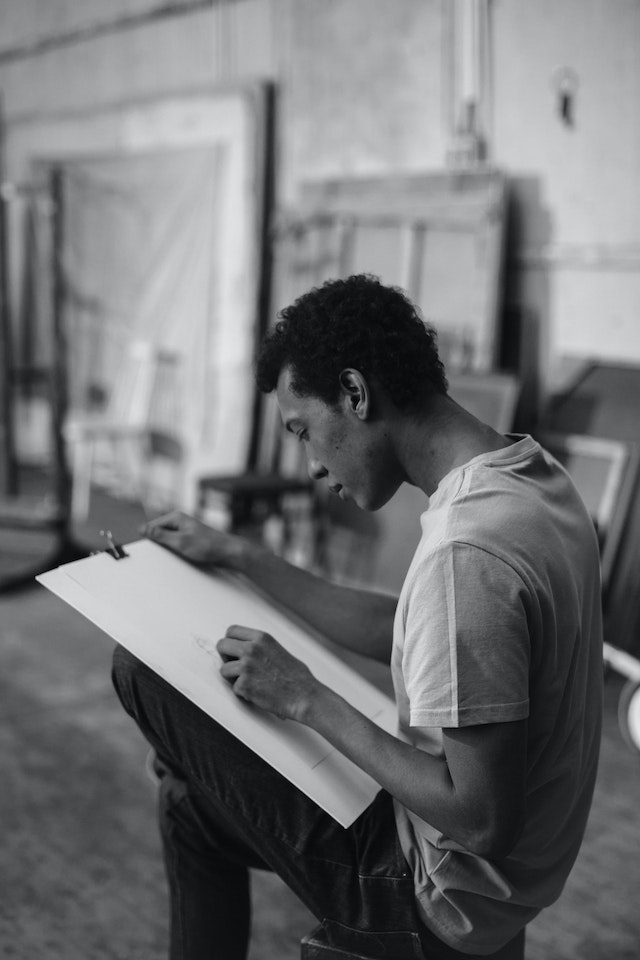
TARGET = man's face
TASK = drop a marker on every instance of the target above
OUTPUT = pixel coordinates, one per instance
(340, 446)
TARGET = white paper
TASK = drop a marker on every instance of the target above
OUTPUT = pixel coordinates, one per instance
(171, 615)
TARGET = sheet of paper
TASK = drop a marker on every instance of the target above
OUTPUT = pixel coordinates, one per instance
(170, 615)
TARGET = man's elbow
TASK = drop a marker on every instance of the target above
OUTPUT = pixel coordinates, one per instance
(491, 847)
(496, 838)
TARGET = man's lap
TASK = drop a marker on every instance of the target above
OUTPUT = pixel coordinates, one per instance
(266, 810)
(355, 880)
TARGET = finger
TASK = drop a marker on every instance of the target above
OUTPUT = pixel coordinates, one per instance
(168, 521)
(155, 532)
(230, 648)
(167, 530)
(244, 633)
(168, 538)
(231, 670)
(174, 521)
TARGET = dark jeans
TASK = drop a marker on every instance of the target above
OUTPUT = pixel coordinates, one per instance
(224, 810)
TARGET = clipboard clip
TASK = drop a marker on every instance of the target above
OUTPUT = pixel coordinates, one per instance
(113, 548)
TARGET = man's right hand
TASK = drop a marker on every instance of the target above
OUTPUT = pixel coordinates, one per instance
(195, 541)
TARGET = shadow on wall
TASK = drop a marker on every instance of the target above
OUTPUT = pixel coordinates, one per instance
(526, 322)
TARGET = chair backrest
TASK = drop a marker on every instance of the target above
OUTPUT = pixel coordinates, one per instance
(130, 399)
(167, 397)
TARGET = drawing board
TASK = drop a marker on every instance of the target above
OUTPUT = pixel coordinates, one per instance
(170, 615)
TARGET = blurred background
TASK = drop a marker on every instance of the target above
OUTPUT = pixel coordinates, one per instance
(171, 175)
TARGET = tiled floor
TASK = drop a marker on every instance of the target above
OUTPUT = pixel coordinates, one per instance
(81, 876)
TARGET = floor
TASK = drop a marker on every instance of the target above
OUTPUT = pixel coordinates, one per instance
(81, 875)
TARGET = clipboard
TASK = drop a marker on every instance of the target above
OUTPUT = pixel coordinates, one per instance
(171, 614)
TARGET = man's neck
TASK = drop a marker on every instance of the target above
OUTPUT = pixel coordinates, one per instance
(439, 438)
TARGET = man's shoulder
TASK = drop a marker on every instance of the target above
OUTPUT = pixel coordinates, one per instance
(528, 522)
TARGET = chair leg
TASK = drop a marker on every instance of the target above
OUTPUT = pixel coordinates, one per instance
(135, 459)
(316, 947)
(82, 465)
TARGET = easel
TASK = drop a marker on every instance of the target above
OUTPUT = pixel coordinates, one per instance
(35, 513)
(8, 470)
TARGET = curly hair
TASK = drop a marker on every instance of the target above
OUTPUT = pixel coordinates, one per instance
(356, 322)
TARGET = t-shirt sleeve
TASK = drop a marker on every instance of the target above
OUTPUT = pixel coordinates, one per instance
(466, 652)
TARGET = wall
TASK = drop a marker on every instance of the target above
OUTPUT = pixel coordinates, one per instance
(371, 96)
(361, 89)
(365, 91)
(577, 259)
(356, 93)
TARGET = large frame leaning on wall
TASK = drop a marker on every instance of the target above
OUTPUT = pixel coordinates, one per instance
(605, 472)
(439, 236)
(168, 199)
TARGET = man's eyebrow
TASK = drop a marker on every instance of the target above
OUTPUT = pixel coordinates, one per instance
(291, 424)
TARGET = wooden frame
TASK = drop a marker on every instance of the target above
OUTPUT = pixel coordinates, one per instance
(439, 236)
(605, 472)
(233, 125)
(491, 397)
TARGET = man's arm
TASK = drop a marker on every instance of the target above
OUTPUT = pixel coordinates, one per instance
(359, 620)
(474, 794)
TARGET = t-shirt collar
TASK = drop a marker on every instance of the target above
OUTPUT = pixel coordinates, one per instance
(522, 446)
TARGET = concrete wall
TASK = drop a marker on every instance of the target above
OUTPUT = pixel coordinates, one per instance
(577, 190)
(362, 89)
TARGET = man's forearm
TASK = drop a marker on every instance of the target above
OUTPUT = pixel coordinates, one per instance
(474, 792)
(472, 808)
(420, 782)
(359, 620)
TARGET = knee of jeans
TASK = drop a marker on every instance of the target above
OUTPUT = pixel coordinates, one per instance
(125, 670)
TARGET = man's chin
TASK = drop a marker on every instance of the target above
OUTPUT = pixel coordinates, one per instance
(370, 504)
(378, 501)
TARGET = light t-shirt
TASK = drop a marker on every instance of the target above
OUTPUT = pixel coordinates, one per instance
(500, 619)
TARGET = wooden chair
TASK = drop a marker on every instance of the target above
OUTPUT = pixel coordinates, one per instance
(120, 429)
(315, 946)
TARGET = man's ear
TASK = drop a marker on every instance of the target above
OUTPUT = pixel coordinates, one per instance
(355, 392)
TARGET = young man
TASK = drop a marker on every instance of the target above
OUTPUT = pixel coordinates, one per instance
(495, 653)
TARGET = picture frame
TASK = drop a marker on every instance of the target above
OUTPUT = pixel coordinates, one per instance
(420, 232)
(605, 472)
(201, 159)
(491, 397)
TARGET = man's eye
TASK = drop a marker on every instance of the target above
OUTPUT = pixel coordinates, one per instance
(302, 436)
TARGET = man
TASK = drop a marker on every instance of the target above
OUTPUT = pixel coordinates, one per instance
(495, 653)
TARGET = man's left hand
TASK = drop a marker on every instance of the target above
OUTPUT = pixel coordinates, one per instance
(265, 674)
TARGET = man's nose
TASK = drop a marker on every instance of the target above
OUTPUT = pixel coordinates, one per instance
(315, 470)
